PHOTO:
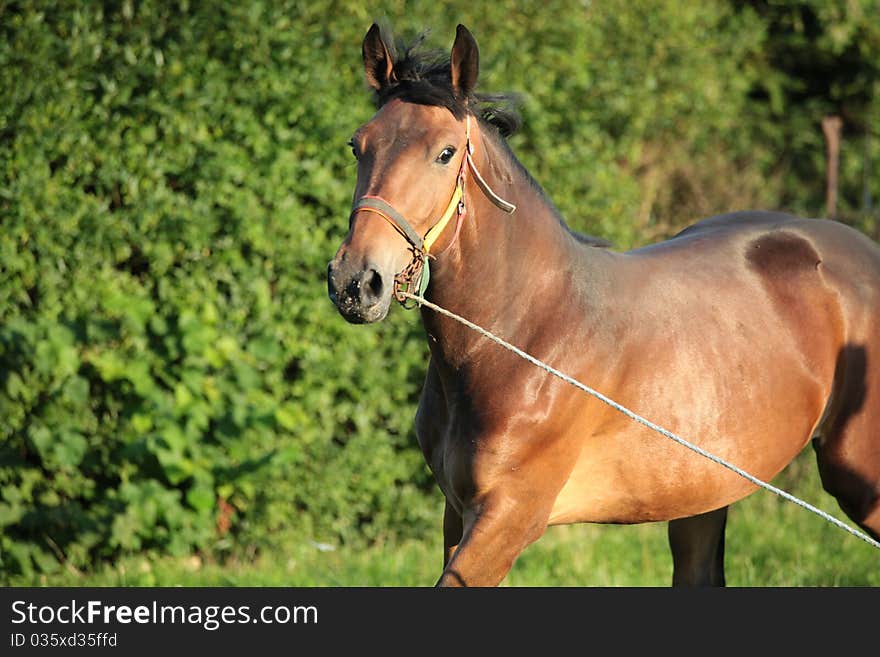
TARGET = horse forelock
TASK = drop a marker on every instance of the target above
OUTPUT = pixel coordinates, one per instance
(423, 76)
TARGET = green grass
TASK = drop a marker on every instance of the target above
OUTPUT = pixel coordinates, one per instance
(770, 542)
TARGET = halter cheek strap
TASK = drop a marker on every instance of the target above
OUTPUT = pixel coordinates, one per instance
(417, 273)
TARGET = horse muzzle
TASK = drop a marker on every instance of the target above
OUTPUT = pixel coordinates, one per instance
(362, 297)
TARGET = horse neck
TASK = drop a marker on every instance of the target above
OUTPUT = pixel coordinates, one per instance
(505, 272)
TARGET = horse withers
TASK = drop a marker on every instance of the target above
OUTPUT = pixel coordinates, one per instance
(751, 332)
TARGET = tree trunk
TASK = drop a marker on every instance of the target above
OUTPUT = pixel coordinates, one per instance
(831, 126)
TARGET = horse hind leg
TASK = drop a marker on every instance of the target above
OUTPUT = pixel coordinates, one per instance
(848, 449)
(697, 544)
(853, 481)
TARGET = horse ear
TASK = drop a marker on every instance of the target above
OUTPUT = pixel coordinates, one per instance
(465, 62)
(378, 59)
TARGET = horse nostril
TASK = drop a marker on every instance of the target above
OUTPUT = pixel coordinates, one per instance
(371, 286)
(331, 284)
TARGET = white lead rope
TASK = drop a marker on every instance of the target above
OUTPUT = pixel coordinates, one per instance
(647, 423)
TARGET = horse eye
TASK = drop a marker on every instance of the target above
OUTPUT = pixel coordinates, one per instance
(446, 155)
(354, 152)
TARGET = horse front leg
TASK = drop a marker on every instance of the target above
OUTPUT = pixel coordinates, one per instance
(495, 530)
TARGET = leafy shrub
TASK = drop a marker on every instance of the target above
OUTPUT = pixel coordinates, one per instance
(174, 181)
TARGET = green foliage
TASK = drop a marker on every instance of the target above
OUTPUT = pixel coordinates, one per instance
(174, 179)
(770, 542)
(173, 185)
(818, 59)
(630, 105)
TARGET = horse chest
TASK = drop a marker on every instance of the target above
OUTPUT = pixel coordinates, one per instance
(461, 452)
(449, 449)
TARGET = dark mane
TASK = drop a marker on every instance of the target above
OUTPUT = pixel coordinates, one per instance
(590, 240)
(423, 77)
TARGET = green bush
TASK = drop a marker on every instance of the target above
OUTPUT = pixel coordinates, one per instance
(175, 180)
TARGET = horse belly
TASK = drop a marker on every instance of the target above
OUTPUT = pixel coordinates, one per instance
(628, 473)
(661, 480)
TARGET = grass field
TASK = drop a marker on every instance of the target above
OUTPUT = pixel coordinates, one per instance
(770, 542)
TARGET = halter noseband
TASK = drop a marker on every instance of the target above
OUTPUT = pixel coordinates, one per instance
(417, 273)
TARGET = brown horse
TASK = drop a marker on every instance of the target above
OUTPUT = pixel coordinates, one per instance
(750, 333)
